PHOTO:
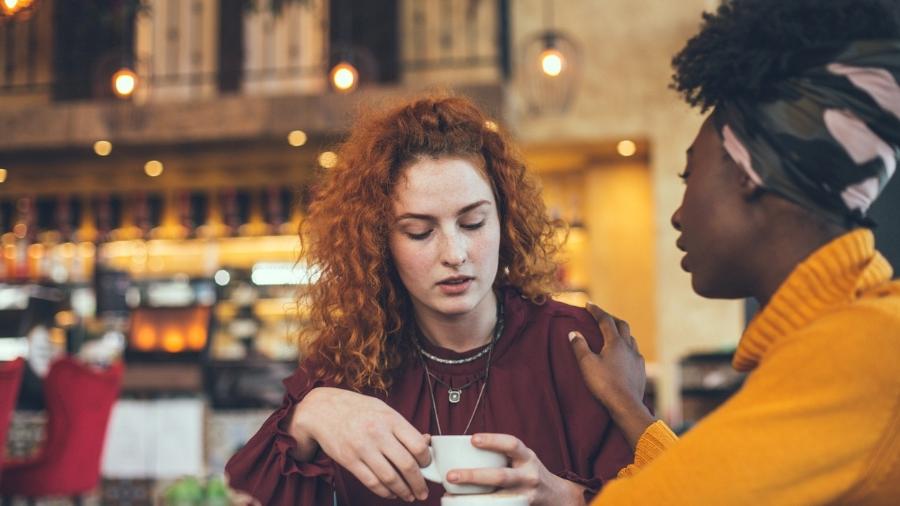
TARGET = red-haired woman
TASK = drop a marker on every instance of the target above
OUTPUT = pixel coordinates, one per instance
(431, 315)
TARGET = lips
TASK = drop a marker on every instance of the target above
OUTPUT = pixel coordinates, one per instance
(455, 280)
(455, 286)
(684, 262)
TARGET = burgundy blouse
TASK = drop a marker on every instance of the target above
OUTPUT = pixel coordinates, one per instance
(535, 392)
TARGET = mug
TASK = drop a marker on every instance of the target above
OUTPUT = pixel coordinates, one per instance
(499, 499)
(457, 452)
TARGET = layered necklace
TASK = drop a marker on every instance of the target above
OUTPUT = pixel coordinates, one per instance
(455, 394)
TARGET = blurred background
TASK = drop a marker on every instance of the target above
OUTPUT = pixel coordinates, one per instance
(155, 159)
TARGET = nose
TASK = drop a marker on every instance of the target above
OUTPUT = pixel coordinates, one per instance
(676, 219)
(453, 250)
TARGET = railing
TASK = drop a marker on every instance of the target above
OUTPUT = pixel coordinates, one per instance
(25, 62)
(287, 52)
(177, 49)
(194, 49)
(454, 41)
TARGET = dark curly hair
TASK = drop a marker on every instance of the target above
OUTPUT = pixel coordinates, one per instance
(359, 311)
(747, 46)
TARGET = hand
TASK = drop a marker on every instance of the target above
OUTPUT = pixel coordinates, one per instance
(527, 475)
(368, 438)
(616, 374)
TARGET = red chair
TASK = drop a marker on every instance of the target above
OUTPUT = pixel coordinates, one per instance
(10, 379)
(79, 400)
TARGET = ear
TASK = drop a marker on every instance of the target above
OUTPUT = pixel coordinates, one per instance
(749, 189)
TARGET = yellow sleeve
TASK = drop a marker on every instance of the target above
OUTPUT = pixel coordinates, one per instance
(806, 428)
(654, 441)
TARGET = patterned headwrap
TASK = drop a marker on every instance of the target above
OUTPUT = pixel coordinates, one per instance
(831, 140)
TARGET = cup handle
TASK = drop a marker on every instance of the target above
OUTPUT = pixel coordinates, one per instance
(431, 472)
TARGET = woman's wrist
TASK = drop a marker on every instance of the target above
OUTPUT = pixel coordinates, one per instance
(574, 492)
(633, 418)
(301, 431)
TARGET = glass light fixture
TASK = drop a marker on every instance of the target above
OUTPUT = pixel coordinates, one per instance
(552, 62)
(550, 69)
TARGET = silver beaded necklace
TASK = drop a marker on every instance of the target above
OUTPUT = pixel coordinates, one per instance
(455, 394)
(498, 330)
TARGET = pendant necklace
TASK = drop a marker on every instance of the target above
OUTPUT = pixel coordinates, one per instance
(454, 394)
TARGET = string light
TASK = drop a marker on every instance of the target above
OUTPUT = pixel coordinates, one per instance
(328, 159)
(344, 77)
(297, 138)
(626, 148)
(103, 148)
(124, 82)
(153, 168)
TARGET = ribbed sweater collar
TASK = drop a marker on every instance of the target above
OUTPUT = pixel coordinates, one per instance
(830, 277)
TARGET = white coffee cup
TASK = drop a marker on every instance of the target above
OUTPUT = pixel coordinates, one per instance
(498, 499)
(457, 452)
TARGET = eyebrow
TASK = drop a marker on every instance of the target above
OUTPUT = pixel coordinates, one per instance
(428, 217)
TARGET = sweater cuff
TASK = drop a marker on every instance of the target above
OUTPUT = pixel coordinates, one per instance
(654, 441)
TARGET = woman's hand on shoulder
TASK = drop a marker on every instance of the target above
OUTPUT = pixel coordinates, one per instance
(616, 374)
(526, 475)
(368, 438)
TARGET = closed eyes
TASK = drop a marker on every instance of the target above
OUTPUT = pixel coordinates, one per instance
(424, 235)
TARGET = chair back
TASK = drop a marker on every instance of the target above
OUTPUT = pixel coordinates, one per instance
(79, 401)
(10, 380)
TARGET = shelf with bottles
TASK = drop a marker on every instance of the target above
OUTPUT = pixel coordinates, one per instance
(60, 238)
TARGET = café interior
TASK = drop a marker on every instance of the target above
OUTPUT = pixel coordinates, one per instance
(156, 158)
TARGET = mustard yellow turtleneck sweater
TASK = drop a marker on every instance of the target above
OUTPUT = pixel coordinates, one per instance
(817, 420)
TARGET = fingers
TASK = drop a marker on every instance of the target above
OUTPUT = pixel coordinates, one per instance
(387, 476)
(403, 461)
(506, 444)
(607, 322)
(524, 473)
(580, 346)
(368, 478)
(596, 311)
(623, 328)
(415, 443)
(502, 477)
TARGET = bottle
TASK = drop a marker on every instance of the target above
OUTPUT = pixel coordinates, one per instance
(255, 223)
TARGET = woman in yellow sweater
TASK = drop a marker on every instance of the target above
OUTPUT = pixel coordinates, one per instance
(804, 135)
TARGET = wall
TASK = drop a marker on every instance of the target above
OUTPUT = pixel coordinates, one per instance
(626, 47)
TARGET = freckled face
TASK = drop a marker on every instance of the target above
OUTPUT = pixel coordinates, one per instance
(445, 239)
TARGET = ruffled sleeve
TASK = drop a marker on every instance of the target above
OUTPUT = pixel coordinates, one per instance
(265, 468)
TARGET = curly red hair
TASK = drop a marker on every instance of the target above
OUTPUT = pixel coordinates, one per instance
(360, 313)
